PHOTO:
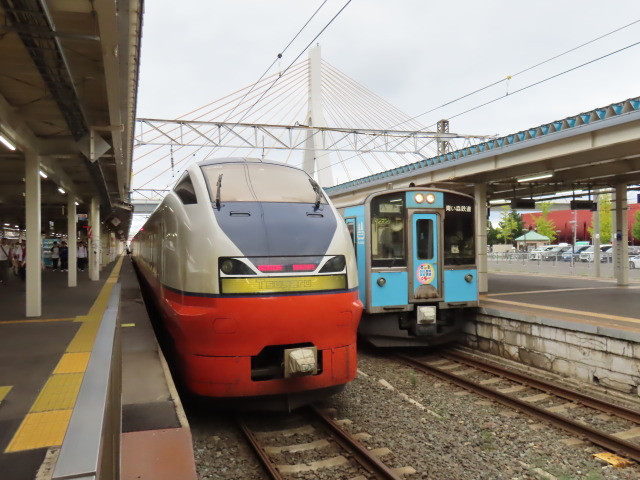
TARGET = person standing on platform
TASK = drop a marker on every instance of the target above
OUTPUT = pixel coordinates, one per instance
(55, 255)
(18, 254)
(5, 259)
(22, 270)
(82, 256)
(64, 257)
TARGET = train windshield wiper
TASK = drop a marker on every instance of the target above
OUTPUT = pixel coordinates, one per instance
(219, 184)
(316, 188)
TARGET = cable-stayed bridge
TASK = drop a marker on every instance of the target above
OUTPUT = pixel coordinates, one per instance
(312, 116)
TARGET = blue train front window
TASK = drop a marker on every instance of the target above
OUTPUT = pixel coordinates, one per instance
(424, 239)
(459, 241)
(388, 231)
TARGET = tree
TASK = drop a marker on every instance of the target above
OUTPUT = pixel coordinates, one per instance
(606, 225)
(635, 230)
(492, 235)
(510, 225)
(544, 225)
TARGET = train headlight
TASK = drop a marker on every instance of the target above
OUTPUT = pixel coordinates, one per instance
(431, 198)
(232, 266)
(419, 198)
(226, 266)
(336, 264)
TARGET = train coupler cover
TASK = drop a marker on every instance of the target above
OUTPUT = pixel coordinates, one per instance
(300, 361)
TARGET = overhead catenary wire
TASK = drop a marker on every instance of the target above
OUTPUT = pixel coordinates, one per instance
(526, 87)
(509, 77)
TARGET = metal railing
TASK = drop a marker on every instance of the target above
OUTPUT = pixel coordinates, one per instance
(91, 447)
(556, 264)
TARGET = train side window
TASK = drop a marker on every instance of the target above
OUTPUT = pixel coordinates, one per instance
(185, 191)
(388, 231)
(424, 239)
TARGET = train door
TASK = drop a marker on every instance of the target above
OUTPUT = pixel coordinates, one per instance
(425, 281)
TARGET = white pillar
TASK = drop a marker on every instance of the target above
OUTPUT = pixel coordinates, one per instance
(621, 237)
(94, 242)
(480, 193)
(596, 238)
(34, 239)
(316, 160)
(112, 247)
(72, 273)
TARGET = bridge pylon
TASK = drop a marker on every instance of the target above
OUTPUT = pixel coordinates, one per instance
(316, 161)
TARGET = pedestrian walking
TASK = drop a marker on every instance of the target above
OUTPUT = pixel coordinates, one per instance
(64, 257)
(82, 256)
(55, 255)
(5, 260)
(19, 250)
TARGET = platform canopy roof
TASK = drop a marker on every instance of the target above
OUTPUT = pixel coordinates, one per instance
(532, 236)
(69, 73)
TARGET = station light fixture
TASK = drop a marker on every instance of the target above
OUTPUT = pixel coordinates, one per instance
(5, 141)
(540, 176)
(61, 190)
(43, 175)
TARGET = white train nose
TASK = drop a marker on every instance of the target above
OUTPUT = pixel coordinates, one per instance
(300, 361)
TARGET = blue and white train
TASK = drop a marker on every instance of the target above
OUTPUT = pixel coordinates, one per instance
(416, 260)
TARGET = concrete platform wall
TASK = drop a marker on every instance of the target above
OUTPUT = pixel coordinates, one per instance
(588, 353)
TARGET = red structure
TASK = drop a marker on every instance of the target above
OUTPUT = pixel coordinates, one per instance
(584, 218)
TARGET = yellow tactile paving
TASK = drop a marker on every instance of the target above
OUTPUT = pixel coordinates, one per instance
(4, 391)
(47, 422)
(59, 393)
(84, 338)
(38, 430)
(73, 363)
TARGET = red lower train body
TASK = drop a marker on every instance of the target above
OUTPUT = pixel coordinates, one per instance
(234, 346)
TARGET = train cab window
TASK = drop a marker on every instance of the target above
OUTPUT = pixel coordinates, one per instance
(260, 182)
(185, 191)
(424, 239)
(388, 231)
(458, 230)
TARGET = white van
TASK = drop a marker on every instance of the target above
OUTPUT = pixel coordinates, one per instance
(589, 254)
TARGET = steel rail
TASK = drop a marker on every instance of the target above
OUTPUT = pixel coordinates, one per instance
(364, 457)
(587, 400)
(257, 448)
(614, 444)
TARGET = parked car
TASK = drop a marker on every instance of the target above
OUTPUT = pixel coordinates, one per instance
(608, 255)
(634, 262)
(555, 253)
(536, 253)
(588, 254)
(566, 256)
(634, 250)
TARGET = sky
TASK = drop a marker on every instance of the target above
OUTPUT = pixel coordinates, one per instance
(415, 54)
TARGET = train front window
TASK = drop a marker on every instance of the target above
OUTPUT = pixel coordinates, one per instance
(260, 182)
(458, 226)
(388, 231)
(424, 239)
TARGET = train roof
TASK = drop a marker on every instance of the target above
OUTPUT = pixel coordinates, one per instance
(218, 161)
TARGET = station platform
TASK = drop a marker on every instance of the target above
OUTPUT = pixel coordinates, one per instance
(584, 303)
(42, 365)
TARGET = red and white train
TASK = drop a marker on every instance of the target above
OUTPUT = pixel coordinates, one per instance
(253, 272)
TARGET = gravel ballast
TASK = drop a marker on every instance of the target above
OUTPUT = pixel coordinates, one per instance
(435, 428)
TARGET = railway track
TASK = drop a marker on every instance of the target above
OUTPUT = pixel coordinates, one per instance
(522, 392)
(321, 443)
